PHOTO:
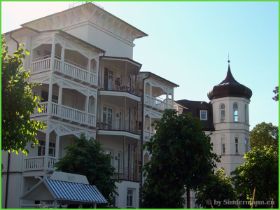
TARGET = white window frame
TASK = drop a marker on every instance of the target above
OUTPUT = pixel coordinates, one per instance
(201, 115)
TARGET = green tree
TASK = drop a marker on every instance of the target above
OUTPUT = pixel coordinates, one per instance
(181, 159)
(216, 191)
(276, 92)
(18, 103)
(257, 178)
(86, 157)
(264, 134)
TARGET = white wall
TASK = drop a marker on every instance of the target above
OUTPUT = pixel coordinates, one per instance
(112, 45)
(122, 191)
(15, 190)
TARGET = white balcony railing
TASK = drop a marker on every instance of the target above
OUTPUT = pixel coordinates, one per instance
(66, 68)
(41, 65)
(157, 103)
(39, 163)
(67, 113)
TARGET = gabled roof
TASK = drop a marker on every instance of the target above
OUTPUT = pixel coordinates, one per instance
(90, 6)
(50, 189)
(159, 78)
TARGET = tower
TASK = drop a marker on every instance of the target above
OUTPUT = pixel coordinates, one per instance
(230, 103)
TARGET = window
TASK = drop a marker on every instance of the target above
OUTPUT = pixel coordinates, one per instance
(236, 145)
(111, 153)
(41, 149)
(203, 114)
(246, 114)
(130, 198)
(235, 112)
(223, 145)
(222, 112)
(107, 117)
(246, 142)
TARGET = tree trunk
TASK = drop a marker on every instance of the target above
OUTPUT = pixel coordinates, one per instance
(188, 198)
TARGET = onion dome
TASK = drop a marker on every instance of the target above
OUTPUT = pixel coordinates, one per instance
(229, 87)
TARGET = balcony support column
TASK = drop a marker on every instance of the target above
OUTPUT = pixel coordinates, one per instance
(150, 126)
(57, 142)
(47, 143)
(50, 79)
(166, 101)
(86, 107)
(59, 98)
(62, 58)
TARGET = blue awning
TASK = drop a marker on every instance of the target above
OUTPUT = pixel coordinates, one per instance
(75, 192)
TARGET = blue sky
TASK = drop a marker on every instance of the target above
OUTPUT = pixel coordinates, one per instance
(189, 42)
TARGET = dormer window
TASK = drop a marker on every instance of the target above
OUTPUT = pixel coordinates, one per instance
(203, 114)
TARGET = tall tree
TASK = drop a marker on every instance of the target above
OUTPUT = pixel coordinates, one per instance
(264, 134)
(181, 159)
(18, 103)
(257, 178)
(86, 157)
(216, 191)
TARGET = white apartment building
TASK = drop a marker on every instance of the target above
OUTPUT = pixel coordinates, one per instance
(83, 57)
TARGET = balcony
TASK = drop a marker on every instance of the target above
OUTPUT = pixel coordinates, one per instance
(67, 113)
(118, 130)
(118, 126)
(157, 104)
(126, 176)
(71, 70)
(39, 163)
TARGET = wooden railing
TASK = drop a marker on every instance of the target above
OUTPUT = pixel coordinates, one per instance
(67, 113)
(68, 69)
(39, 163)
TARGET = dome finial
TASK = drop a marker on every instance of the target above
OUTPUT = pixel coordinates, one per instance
(228, 59)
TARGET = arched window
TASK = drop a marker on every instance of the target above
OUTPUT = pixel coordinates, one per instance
(235, 112)
(222, 112)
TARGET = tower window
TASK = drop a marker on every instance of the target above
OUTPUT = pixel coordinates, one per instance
(246, 145)
(203, 114)
(222, 112)
(236, 145)
(223, 145)
(235, 112)
(246, 114)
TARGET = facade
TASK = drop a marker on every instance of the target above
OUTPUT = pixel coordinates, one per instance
(225, 119)
(83, 57)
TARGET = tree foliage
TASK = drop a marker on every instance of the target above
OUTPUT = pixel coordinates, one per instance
(216, 191)
(86, 157)
(258, 173)
(264, 134)
(276, 92)
(181, 158)
(18, 103)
